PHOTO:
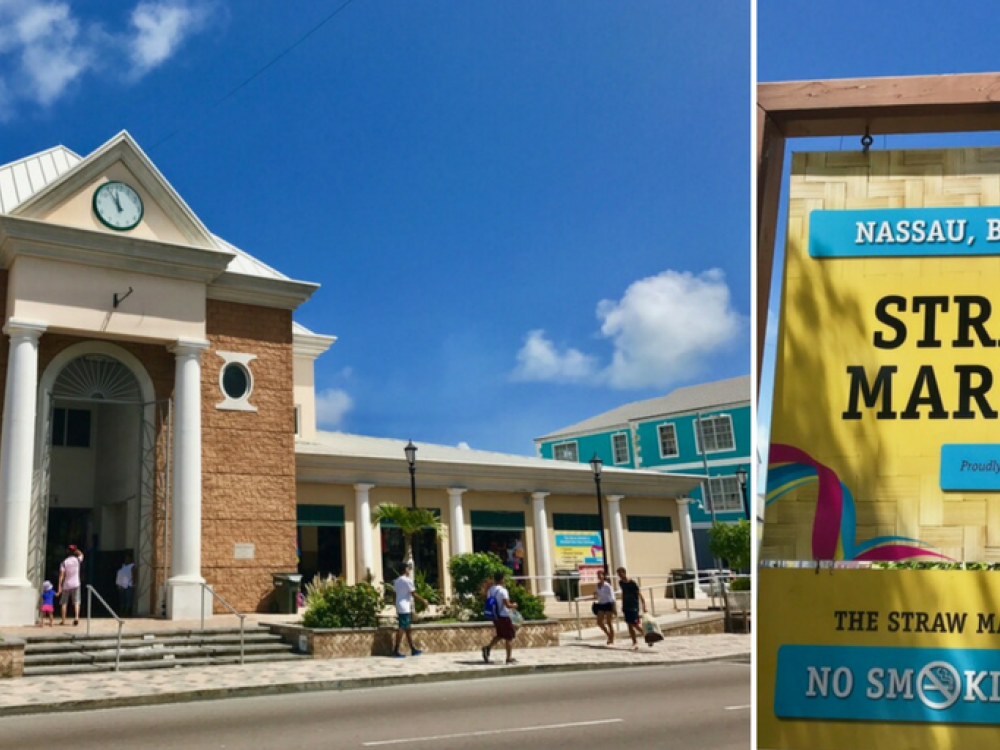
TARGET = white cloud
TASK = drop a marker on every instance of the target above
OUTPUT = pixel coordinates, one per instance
(159, 28)
(46, 41)
(45, 48)
(664, 329)
(332, 405)
(539, 359)
(462, 445)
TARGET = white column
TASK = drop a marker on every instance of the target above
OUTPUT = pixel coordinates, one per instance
(617, 532)
(363, 532)
(17, 596)
(185, 596)
(542, 555)
(456, 520)
(687, 533)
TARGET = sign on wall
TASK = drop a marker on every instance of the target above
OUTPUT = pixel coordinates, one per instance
(577, 549)
(885, 432)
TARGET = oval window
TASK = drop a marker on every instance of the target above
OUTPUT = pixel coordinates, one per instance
(235, 381)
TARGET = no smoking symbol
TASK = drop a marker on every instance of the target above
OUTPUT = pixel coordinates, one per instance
(941, 679)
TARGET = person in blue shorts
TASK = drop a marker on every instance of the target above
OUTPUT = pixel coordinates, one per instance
(406, 592)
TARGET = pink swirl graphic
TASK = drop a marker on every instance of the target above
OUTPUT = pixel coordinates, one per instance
(834, 521)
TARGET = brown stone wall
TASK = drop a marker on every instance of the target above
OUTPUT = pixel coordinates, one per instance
(11, 658)
(248, 458)
(439, 639)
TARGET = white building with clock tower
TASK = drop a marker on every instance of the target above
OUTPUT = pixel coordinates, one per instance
(159, 404)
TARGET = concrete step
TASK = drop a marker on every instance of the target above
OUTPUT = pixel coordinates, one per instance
(153, 653)
(74, 653)
(73, 669)
(138, 642)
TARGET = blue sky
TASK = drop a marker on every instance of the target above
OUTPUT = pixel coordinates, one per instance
(851, 39)
(521, 213)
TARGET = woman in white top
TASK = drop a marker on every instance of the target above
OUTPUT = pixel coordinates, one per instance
(604, 607)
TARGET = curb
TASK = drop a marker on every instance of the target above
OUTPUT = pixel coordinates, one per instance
(340, 685)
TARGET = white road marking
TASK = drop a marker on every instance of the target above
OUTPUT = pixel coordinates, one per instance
(737, 708)
(483, 733)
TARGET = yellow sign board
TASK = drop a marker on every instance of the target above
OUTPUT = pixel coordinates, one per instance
(884, 431)
(878, 658)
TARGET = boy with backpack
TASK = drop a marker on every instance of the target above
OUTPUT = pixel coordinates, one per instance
(498, 604)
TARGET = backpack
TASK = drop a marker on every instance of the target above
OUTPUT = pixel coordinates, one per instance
(491, 607)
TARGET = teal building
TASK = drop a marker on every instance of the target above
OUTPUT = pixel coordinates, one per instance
(667, 434)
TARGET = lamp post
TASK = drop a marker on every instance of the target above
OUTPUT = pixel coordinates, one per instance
(595, 464)
(741, 477)
(411, 458)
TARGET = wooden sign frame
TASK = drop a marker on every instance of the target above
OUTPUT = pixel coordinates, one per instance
(880, 106)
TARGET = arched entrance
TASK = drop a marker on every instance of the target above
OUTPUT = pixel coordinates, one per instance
(96, 469)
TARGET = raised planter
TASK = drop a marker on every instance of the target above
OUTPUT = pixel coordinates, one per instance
(451, 637)
(11, 658)
(738, 605)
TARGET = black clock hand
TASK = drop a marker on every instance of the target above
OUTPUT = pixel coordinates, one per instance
(117, 202)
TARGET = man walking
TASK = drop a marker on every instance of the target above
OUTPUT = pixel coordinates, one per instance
(502, 623)
(406, 592)
(631, 598)
(69, 583)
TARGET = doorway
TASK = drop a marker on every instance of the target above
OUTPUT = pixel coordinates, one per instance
(93, 490)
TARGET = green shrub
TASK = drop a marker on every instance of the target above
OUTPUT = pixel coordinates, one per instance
(731, 542)
(316, 589)
(530, 606)
(470, 572)
(472, 575)
(343, 606)
(740, 584)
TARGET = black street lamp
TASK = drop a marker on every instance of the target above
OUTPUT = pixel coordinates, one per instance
(595, 464)
(411, 458)
(741, 477)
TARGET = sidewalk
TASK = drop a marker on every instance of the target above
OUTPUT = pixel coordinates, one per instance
(109, 690)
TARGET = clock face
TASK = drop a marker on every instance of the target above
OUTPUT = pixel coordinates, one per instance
(117, 206)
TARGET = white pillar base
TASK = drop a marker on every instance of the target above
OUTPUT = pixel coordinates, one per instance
(18, 604)
(184, 601)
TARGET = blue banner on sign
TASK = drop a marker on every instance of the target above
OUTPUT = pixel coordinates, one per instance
(970, 467)
(904, 232)
(864, 683)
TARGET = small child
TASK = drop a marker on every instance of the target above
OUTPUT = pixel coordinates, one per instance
(48, 604)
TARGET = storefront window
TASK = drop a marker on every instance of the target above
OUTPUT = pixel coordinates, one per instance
(321, 551)
(507, 545)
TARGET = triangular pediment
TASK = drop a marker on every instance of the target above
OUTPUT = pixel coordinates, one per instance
(69, 200)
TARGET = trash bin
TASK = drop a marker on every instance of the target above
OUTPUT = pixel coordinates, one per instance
(286, 592)
(686, 579)
(566, 585)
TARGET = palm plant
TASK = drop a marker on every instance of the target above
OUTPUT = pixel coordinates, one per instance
(409, 521)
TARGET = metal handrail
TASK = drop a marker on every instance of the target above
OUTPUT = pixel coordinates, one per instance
(205, 587)
(715, 581)
(92, 592)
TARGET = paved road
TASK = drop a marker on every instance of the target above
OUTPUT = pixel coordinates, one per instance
(692, 706)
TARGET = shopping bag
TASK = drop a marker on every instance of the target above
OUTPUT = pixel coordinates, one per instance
(516, 618)
(651, 630)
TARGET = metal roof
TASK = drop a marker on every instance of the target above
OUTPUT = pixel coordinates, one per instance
(345, 457)
(684, 400)
(21, 179)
